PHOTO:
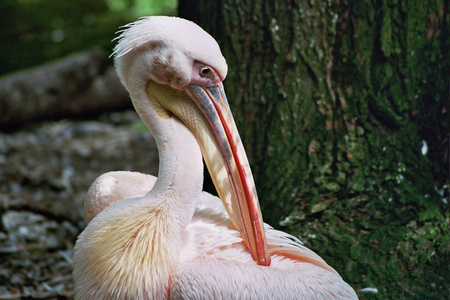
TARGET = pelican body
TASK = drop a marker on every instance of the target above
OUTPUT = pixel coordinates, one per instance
(161, 238)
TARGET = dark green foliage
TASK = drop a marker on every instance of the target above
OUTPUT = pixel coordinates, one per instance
(334, 101)
(37, 31)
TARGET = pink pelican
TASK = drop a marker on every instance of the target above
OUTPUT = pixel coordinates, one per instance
(161, 238)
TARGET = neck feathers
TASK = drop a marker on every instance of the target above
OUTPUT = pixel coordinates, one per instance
(126, 256)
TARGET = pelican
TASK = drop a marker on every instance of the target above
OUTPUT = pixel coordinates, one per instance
(164, 238)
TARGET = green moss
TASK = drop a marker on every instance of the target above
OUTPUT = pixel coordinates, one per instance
(391, 256)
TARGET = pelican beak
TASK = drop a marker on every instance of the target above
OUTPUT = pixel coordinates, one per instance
(205, 111)
(231, 173)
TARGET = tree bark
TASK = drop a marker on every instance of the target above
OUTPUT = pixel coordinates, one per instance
(336, 102)
(76, 86)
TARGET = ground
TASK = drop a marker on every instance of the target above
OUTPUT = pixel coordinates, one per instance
(46, 170)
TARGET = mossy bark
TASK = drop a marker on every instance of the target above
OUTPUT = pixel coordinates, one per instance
(336, 102)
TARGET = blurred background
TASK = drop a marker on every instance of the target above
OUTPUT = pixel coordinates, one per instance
(33, 32)
(342, 106)
(54, 53)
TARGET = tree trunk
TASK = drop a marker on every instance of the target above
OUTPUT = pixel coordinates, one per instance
(343, 110)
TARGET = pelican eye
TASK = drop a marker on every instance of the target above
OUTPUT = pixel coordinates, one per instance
(204, 72)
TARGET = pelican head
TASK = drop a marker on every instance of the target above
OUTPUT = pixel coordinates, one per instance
(175, 52)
